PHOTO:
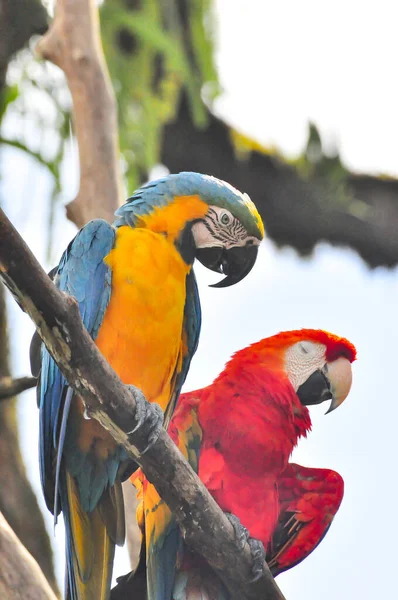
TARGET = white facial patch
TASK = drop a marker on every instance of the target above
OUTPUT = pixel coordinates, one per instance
(203, 236)
(302, 360)
(219, 228)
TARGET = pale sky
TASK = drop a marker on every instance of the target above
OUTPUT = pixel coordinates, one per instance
(282, 64)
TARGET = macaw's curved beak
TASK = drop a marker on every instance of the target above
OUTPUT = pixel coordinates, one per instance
(340, 377)
(333, 382)
(235, 263)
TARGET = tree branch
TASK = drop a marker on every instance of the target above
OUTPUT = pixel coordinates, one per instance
(57, 318)
(12, 387)
(21, 577)
(73, 43)
(358, 211)
(19, 20)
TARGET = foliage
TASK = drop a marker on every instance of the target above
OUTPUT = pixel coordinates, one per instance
(154, 50)
(35, 116)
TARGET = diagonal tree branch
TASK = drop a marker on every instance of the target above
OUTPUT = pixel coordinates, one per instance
(57, 319)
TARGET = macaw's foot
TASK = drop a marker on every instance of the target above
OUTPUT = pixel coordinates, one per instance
(241, 533)
(149, 417)
(256, 547)
(258, 555)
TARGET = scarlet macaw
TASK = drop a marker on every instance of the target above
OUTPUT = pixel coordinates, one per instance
(138, 299)
(238, 434)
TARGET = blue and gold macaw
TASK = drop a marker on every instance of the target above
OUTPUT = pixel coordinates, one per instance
(139, 301)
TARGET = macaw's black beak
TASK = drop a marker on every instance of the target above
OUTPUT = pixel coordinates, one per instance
(235, 263)
(316, 389)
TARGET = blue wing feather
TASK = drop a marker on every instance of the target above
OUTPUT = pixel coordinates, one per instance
(192, 324)
(82, 274)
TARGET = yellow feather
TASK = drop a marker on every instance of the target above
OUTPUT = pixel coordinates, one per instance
(141, 334)
(80, 526)
(171, 219)
(93, 550)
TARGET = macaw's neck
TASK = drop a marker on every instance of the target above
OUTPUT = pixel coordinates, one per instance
(174, 221)
(267, 396)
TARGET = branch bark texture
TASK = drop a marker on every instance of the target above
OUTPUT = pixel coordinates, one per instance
(21, 577)
(73, 43)
(57, 318)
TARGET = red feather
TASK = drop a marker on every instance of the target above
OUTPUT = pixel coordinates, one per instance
(250, 419)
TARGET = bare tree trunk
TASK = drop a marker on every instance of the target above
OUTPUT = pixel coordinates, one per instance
(18, 502)
(73, 43)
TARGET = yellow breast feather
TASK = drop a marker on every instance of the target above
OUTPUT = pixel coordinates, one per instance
(141, 334)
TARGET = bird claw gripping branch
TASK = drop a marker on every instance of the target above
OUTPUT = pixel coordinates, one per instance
(242, 536)
(256, 547)
(258, 555)
(149, 417)
(241, 533)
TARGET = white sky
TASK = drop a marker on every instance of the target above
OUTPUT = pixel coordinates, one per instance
(334, 64)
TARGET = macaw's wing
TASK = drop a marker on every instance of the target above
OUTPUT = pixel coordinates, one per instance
(82, 274)
(190, 339)
(309, 500)
(163, 541)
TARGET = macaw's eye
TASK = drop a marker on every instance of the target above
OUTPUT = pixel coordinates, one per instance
(225, 218)
(305, 347)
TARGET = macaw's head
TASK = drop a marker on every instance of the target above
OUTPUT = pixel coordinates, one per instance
(206, 218)
(317, 363)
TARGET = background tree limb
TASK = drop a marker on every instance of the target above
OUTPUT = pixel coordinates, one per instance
(11, 387)
(73, 43)
(301, 204)
(21, 577)
(18, 502)
(19, 20)
(57, 317)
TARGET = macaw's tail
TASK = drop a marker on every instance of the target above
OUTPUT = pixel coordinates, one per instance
(90, 540)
